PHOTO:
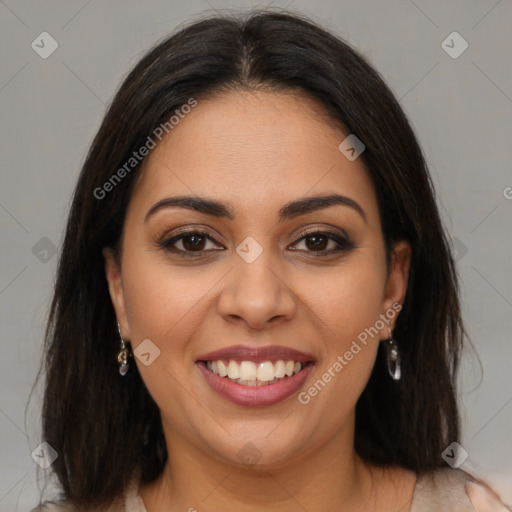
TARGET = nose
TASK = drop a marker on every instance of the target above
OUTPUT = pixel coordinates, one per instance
(257, 295)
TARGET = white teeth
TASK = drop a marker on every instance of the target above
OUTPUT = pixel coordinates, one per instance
(233, 370)
(247, 370)
(249, 373)
(266, 371)
(280, 369)
(223, 369)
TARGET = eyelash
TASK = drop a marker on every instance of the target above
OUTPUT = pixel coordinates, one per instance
(344, 243)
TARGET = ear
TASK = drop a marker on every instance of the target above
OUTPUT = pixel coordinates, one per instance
(115, 288)
(396, 286)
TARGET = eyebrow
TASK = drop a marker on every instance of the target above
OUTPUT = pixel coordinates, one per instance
(288, 211)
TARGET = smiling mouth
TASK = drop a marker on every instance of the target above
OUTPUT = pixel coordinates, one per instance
(250, 373)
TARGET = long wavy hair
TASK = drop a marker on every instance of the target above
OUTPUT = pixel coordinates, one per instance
(107, 428)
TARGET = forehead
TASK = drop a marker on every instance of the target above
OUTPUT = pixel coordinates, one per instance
(248, 146)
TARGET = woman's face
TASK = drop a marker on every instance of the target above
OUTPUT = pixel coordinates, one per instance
(256, 276)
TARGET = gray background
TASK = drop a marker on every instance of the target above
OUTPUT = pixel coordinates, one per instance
(461, 109)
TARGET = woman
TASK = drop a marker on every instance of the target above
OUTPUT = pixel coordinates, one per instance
(256, 307)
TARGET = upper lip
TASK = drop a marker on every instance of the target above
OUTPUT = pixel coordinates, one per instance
(257, 354)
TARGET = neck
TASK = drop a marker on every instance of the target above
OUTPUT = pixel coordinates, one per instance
(326, 478)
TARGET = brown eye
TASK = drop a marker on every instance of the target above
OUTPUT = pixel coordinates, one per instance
(324, 243)
(191, 243)
(316, 242)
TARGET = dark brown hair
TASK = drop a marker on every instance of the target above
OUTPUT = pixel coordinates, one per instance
(106, 428)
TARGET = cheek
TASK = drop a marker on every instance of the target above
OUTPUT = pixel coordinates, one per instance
(348, 304)
(348, 299)
(165, 303)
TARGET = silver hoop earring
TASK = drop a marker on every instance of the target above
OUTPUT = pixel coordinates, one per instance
(123, 354)
(393, 357)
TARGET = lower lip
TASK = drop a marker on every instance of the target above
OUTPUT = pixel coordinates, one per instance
(255, 396)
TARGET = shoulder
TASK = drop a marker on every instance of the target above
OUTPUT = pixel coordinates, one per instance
(449, 489)
(54, 506)
(65, 506)
(130, 501)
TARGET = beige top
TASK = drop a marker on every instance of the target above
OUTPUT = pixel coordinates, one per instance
(443, 490)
